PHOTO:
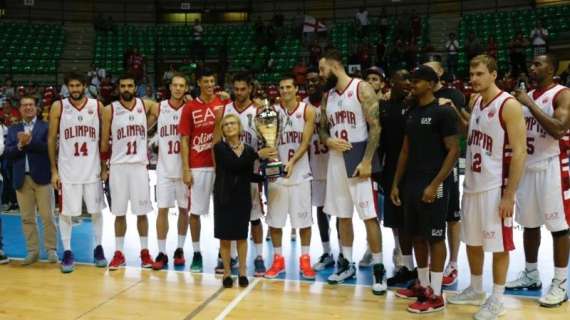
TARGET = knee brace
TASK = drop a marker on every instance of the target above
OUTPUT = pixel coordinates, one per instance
(561, 233)
(255, 222)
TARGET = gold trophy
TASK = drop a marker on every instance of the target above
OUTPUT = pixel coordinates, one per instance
(267, 125)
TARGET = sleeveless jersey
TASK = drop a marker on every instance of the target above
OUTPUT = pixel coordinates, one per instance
(292, 126)
(169, 161)
(488, 152)
(345, 115)
(540, 144)
(247, 117)
(78, 157)
(318, 152)
(129, 133)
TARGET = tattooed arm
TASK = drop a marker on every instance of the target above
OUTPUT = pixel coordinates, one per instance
(370, 106)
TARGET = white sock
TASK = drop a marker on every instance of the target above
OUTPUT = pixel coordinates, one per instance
(196, 246)
(377, 258)
(408, 261)
(181, 241)
(144, 243)
(436, 279)
(305, 249)
(65, 227)
(499, 291)
(233, 246)
(423, 276)
(453, 264)
(278, 251)
(162, 246)
(531, 266)
(97, 225)
(259, 249)
(326, 247)
(347, 253)
(477, 283)
(560, 273)
(120, 243)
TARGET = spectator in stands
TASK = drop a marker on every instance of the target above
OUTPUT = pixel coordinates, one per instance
(167, 76)
(539, 39)
(8, 88)
(93, 76)
(384, 24)
(300, 72)
(364, 56)
(136, 65)
(106, 90)
(452, 48)
(416, 23)
(9, 115)
(473, 46)
(315, 52)
(492, 47)
(517, 48)
(363, 22)
(197, 41)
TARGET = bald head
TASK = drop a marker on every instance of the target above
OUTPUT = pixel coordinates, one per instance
(436, 66)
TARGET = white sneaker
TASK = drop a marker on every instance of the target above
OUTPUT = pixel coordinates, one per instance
(345, 271)
(526, 280)
(366, 260)
(556, 295)
(52, 256)
(468, 296)
(326, 260)
(379, 285)
(490, 310)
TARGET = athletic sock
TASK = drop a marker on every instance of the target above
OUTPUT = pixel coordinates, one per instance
(408, 261)
(477, 283)
(305, 249)
(377, 258)
(499, 291)
(278, 251)
(97, 225)
(233, 246)
(560, 273)
(120, 243)
(347, 253)
(65, 228)
(162, 246)
(259, 249)
(397, 245)
(326, 247)
(531, 266)
(436, 279)
(423, 276)
(144, 243)
(196, 246)
(181, 241)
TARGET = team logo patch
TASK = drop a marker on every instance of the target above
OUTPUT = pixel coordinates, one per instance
(139, 110)
(436, 232)
(551, 216)
(350, 94)
(544, 101)
(131, 118)
(363, 204)
(90, 111)
(298, 116)
(79, 118)
(488, 235)
(491, 113)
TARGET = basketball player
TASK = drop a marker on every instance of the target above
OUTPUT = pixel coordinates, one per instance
(74, 126)
(246, 110)
(429, 152)
(543, 197)
(291, 195)
(377, 79)
(125, 123)
(350, 116)
(169, 187)
(446, 95)
(496, 152)
(318, 158)
(196, 128)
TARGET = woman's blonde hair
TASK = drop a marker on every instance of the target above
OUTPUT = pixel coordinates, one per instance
(231, 116)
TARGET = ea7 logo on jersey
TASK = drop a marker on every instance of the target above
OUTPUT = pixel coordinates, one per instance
(426, 121)
(203, 117)
(436, 232)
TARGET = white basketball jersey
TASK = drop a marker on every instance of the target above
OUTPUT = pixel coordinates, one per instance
(78, 157)
(540, 144)
(169, 161)
(129, 133)
(345, 115)
(318, 152)
(488, 152)
(290, 140)
(247, 117)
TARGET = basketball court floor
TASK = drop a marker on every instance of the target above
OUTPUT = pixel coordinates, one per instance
(41, 291)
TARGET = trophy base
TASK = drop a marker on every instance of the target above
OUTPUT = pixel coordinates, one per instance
(273, 170)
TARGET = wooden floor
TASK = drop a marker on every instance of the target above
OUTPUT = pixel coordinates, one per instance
(40, 291)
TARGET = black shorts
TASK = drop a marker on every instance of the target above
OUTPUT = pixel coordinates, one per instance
(453, 212)
(425, 220)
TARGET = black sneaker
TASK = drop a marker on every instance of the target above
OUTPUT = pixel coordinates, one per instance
(345, 271)
(243, 281)
(379, 285)
(339, 260)
(228, 282)
(219, 266)
(403, 276)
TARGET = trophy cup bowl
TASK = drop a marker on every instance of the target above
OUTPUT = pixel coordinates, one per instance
(268, 127)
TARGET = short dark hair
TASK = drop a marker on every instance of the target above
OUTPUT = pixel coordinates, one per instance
(204, 72)
(552, 59)
(27, 96)
(312, 69)
(333, 54)
(243, 76)
(74, 76)
(128, 76)
(288, 76)
(179, 75)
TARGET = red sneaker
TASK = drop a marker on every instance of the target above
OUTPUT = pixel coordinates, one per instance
(413, 291)
(179, 260)
(161, 262)
(450, 276)
(428, 303)
(146, 259)
(277, 267)
(117, 261)
(307, 271)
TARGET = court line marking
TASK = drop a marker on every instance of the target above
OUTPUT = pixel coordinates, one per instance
(109, 299)
(237, 299)
(204, 304)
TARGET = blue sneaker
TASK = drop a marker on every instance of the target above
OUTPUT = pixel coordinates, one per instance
(99, 257)
(68, 262)
(259, 267)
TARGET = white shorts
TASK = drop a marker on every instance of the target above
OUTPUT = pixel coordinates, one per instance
(201, 191)
(171, 190)
(481, 224)
(541, 197)
(289, 200)
(129, 182)
(318, 190)
(345, 194)
(256, 202)
(73, 195)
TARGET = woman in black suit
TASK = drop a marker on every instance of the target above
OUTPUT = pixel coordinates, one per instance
(232, 193)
